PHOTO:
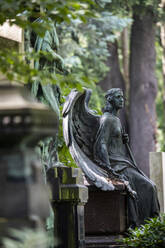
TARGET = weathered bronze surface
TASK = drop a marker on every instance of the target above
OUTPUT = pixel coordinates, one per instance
(99, 146)
(46, 92)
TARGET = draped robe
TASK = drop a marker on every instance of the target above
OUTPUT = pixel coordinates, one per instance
(109, 151)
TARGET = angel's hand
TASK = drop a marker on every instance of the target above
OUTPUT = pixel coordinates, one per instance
(131, 192)
(125, 138)
(61, 66)
(60, 63)
(113, 173)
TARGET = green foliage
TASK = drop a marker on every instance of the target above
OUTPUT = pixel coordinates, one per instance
(84, 45)
(91, 53)
(128, 4)
(63, 151)
(85, 57)
(150, 235)
(14, 66)
(18, 11)
(26, 238)
(138, 6)
(23, 13)
(160, 100)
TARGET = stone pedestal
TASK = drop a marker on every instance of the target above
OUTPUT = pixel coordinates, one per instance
(68, 198)
(24, 198)
(157, 175)
(20, 183)
(105, 217)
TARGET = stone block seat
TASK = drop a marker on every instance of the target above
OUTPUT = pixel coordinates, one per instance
(105, 216)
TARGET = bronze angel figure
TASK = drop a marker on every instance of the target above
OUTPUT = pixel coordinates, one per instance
(100, 148)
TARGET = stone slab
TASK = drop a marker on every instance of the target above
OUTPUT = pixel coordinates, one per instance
(11, 32)
(12, 38)
(157, 175)
(103, 241)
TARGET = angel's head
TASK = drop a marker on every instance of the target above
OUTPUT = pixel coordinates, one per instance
(114, 100)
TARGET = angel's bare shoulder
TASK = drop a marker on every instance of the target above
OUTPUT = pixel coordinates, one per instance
(109, 119)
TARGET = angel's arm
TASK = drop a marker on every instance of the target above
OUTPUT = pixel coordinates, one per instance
(59, 60)
(101, 155)
(48, 44)
(100, 147)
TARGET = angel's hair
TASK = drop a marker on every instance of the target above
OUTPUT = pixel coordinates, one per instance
(109, 99)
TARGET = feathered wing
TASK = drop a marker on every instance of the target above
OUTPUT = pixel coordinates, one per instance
(80, 126)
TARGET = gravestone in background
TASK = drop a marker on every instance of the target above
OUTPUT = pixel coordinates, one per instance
(157, 175)
(24, 199)
(11, 37)
(23, 196)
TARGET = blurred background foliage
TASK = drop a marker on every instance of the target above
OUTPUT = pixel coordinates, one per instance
(27, 238)
(159, 100)
(85, 28)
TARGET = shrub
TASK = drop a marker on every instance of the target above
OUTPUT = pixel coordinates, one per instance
(152, 234)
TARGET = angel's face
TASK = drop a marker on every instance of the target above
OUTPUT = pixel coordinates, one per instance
(118, 100)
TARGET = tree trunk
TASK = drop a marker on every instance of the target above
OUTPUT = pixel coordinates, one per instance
(125, 55)
(162, 37)
(143, 89)
(114, 78)
(163, 46)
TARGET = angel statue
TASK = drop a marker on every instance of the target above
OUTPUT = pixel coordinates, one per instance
(100, 148)
(46, 92)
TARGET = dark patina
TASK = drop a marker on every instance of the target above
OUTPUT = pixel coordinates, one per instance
(100, 147)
